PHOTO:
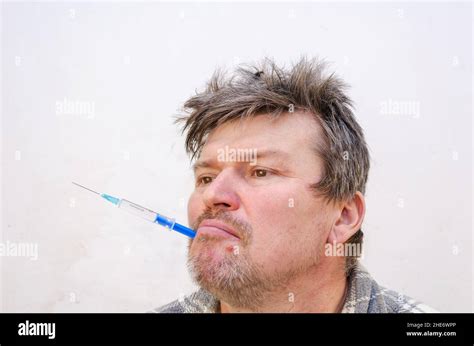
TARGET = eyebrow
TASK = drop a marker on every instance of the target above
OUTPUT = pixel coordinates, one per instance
(260, 154)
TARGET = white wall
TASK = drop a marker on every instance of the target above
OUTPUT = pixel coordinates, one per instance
(134, 64)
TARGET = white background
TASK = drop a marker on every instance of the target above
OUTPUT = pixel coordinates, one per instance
(136, 63)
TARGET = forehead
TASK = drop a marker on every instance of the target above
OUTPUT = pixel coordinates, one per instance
(292, 133)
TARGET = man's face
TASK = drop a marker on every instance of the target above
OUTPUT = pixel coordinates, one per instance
(253, 177)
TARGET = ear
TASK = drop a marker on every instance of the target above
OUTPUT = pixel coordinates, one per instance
(350, 219)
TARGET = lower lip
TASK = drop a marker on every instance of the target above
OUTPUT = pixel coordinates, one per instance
(216, 232)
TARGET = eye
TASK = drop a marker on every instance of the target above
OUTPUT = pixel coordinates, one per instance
(204, 180)
(260, 173)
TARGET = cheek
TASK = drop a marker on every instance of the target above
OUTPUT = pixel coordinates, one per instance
(285, 222)
(277, 210)
(195, 208)
(274, 217)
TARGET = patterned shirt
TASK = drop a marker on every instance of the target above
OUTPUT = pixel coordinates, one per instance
(364, 296)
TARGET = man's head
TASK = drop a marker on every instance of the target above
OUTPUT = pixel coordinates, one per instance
(281, 165)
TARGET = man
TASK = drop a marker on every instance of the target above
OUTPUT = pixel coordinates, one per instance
(281, 166)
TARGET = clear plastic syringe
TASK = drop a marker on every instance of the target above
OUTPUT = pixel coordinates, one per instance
(145, 213)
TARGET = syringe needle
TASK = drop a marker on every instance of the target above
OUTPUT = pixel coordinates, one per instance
(86, 188)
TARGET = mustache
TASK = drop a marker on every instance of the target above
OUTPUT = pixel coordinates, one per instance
(243, 229)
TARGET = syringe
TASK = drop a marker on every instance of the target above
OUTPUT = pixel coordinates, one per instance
(145, 213)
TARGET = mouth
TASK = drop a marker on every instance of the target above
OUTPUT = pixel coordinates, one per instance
(216, 228)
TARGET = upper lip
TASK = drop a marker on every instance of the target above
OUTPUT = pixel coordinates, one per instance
(218, 224)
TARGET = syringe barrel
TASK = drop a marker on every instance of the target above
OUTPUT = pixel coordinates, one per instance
(152, 216)
(138, 210)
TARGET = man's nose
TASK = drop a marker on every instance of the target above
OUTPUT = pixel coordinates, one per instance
(221, 193)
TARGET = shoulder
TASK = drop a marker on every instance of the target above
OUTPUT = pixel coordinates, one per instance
(399, 303)
(199, 301)
(174, 307)
(367, 296)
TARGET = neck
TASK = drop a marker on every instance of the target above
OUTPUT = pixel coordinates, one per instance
(316, 290)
